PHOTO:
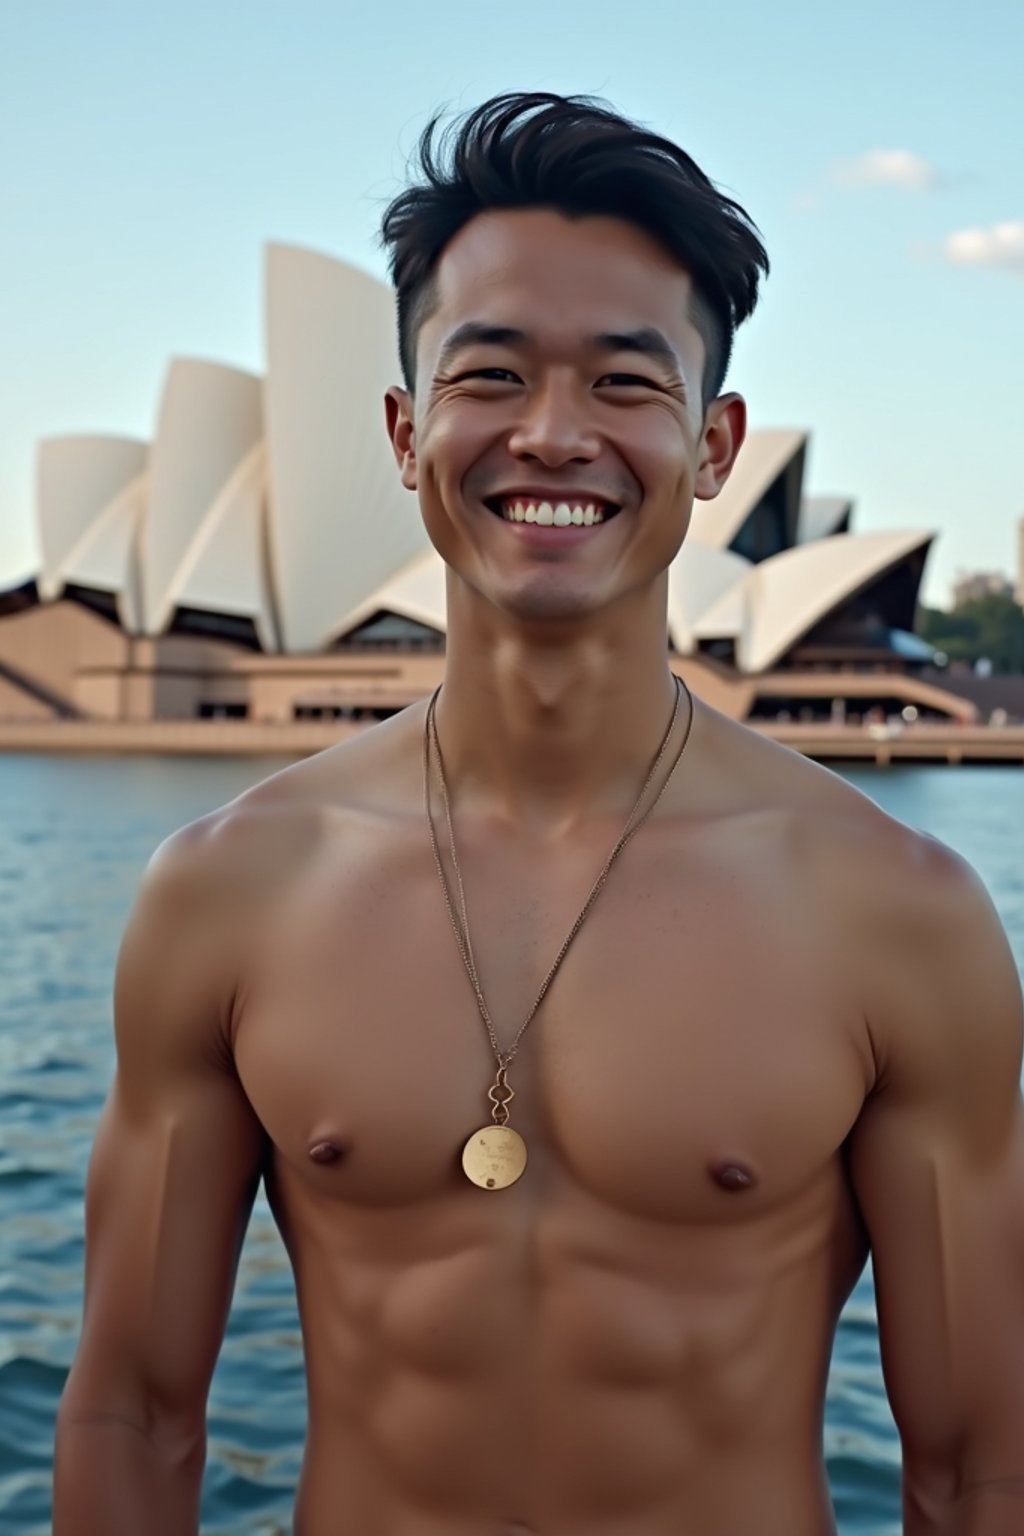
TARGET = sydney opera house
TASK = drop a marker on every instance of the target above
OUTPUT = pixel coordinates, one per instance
(259, 559)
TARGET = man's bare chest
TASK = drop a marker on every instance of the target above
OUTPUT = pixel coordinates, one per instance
(694, 1056)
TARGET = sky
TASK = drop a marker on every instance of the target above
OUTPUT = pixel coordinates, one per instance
(148, 152)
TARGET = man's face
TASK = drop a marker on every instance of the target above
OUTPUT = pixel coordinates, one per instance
(559, 370)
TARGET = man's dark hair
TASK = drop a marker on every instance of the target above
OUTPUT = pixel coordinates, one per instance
(575, 155)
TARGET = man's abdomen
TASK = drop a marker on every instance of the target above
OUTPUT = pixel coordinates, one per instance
(515, 1387)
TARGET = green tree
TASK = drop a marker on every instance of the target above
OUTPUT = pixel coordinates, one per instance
(990, 627)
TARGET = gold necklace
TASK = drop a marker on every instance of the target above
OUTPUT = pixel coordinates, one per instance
(495, 1155)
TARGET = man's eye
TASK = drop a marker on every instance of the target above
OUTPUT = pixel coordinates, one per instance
(498, 375)
(616, 379)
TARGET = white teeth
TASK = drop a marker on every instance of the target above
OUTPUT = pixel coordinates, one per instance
(561, 515)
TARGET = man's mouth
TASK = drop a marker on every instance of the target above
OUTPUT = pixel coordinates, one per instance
(575, 512)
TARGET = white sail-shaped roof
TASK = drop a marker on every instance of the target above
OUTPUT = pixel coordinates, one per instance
(765, 455)
(107, 558)
(415, 592)
(822, 515)
(782, 598)
(728, 618)
(340, 523)
(210, 420)
(697, 578)
(79, 480)
(224, 569)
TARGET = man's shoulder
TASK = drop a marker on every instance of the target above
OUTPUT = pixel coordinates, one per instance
(377, 770)
(748, 773)
(916, 921)
(852, 851)
(262, 838)
(910, 923)
(212, 892)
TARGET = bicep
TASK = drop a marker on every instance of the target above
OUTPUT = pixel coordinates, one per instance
(947, 1240)
(173, 1173)
(168, 1197)
(937, 1160)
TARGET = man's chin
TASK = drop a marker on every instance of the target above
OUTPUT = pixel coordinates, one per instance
(546, 601)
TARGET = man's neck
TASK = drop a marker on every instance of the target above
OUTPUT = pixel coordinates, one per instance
(546, 725)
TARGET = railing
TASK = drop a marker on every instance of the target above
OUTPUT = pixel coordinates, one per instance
(300, 738)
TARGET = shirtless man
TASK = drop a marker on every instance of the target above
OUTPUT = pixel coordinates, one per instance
(789, 1027)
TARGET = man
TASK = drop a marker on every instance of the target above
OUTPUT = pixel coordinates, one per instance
(575, 1274)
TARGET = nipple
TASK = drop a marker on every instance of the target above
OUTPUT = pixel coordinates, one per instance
(325, 1151)
(733, 1176)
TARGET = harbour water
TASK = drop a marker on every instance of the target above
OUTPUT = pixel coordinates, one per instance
(74, 836)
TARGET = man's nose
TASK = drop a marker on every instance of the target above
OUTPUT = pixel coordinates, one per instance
(555, 427)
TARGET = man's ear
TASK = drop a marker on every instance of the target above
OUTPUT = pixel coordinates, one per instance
(725, 427)
(398, 411)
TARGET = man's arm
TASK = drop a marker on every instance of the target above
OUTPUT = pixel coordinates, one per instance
(171, 1182)
(937, 1160)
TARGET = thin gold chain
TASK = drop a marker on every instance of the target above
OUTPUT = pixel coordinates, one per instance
(461, 931)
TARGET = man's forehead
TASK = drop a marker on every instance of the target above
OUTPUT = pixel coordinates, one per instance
(537, 271)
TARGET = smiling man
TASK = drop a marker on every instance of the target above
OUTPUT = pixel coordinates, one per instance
(585, 1040)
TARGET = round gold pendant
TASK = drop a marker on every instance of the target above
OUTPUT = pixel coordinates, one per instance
(494, 1156)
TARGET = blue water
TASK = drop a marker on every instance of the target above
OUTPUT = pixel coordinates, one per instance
(74, 836)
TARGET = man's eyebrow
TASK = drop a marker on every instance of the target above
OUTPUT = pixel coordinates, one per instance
(477, 333)
(647, 341)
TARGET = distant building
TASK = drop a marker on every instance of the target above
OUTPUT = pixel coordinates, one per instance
(259, 558)
(975, 584)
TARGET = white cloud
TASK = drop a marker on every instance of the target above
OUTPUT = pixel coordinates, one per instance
(888, 167)
(1002, 245)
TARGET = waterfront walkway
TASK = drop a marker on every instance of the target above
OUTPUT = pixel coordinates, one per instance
(883, 744)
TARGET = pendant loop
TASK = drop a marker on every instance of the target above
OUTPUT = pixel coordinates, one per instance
(501, 1093)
